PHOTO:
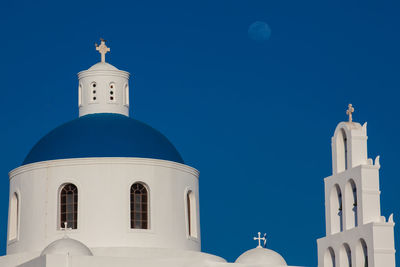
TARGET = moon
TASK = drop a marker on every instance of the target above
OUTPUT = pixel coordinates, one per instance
(259, 31)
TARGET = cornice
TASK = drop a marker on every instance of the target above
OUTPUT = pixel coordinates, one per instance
(103, 160)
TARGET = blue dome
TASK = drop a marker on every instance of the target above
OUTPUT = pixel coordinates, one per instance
(103, 135)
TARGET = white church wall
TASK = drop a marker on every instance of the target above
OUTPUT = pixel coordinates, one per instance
(121, 257)
(17, 259)
(184, 259)
(103, 207)
(42, 262)
(383, 244)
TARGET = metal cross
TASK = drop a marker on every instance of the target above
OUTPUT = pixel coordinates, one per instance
(349, 112)
(103, 49)
(259, 238)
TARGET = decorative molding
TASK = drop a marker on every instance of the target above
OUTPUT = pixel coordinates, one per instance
(104, 160)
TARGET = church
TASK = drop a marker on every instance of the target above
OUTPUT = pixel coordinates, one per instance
(57, 197)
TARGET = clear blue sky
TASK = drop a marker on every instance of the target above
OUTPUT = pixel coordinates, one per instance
(255, 118)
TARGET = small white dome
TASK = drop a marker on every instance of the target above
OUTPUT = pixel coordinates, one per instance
(67, 246)
(102, 66)
(263, 256)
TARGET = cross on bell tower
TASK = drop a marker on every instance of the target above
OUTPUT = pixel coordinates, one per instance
(349, 112)
(103, 49)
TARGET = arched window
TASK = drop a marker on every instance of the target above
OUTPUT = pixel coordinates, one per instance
(336, 209)
(126, 97)
(191, 214)
(345, 256)
(362, 253)
(69, 206)
(14, 220)
(351, 204)
(80, 95)
(330, 258)
(139, 206)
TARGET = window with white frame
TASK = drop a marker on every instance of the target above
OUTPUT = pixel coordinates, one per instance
(68, 206)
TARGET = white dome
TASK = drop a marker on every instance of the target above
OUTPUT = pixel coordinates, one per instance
(102, 66)
(261, 256)
(67, 246)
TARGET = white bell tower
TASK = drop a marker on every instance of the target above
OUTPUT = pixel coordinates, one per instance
(103, 88)
(356, 233)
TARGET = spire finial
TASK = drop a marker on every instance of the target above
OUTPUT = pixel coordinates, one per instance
(349, 112)
(259, 238)
(103, 49)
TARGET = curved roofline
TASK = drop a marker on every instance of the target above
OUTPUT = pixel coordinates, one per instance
(103, 135)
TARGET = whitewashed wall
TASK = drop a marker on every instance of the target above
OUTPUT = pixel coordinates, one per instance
(104, 203)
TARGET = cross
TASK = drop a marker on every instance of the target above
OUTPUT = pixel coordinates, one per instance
(259, 238)
(66, 228)
(349, 112)
(103, 49)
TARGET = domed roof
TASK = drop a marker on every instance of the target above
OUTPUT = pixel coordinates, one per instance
(263, 256)
(102, 66)
(67, 246)
(103, 135)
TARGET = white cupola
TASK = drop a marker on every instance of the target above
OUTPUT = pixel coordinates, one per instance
(103, 88)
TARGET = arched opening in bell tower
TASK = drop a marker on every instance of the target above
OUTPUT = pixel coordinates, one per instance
(330, 258)
(336, 209)
(351, 204)
(345, 256)
(341, 151)
(362, 253)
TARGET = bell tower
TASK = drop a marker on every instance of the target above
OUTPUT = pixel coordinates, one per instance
(356, 233)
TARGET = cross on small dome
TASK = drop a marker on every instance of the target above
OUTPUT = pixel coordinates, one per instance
(66, 229)
(259, 238)
(103, 49)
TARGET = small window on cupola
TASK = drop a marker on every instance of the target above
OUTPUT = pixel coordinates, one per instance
(93, 92)
(80, 95)
(126, 97)
(111, 92)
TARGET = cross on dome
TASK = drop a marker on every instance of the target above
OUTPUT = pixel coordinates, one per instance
(349, 112)
(103, 49)
(66, 228)
(259, 238)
